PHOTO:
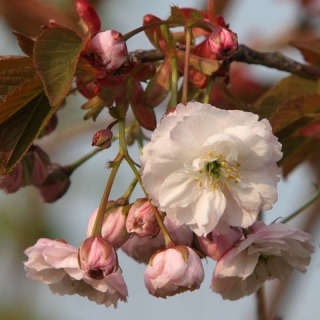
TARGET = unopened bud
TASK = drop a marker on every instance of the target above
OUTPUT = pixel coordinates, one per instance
(113, 226)
(141, 220)
(107, 50)
(223, 43)
(102, 139)
(97, 258)
(55, 185)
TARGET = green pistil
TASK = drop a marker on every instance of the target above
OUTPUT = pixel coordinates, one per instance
(213, 168)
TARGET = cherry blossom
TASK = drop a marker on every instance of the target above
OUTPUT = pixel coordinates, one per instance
(270, 252)
(205, 165)
(55, 263)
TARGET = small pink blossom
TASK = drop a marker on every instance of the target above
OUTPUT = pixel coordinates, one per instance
(270, 252)
(142, 249)
(113, 225)
(215, 246)
(106, 51)
(56, 263)
(172, 271)
(141, 220)
(223, 43)
(97, 258)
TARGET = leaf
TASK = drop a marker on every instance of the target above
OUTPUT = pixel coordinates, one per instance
(293, 110)
(26, 44)
(20, 130)
(14, 62)
(13, 78)
(19, 97)
(203, 65)
(310, 50)
(287, 88)
(159, 86)
(96, 105)
(297, 150)
(177, 16)
(56, 54)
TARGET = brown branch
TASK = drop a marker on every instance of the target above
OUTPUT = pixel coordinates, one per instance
(274, 60)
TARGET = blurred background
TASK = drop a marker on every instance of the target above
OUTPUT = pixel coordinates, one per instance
(263, 25)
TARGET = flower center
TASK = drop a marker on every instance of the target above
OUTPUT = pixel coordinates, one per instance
(217, 172)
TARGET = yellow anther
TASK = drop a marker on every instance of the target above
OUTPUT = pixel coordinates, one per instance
(200, 184)
(196, 179)
(201, 171)
(229, 170)
(236, 181)
(238, 164)
(210, 153)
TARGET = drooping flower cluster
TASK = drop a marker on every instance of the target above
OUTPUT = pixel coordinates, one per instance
(210, 168)
(207, 173)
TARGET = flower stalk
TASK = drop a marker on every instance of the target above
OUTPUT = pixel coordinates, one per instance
(315, 197)
(184, 98)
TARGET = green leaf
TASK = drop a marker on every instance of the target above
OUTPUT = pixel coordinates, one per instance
(203, 65)
(287, 88)
(177, 16)
(26, 44)
(95, 106)
(159, 86)
(56, 54)
(18, 132)
(19, 97)
(293, 110)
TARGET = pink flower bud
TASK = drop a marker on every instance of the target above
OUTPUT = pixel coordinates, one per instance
(113, 225)
(13, 180)
(142, 249)
(102, 139)
(107, 50)
(173, 271)
(141, 220)
(55, 185)
(36, 163)
(97, 258)
(223, 43)
(215, 246)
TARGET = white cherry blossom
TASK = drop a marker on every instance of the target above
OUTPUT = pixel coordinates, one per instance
(209, 168)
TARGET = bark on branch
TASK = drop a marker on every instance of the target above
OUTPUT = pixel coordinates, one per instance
(274, 60)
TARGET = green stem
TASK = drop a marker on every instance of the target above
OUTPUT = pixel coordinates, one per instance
(73, 166)
(126, 196)
(305, 206)
(168, 241)
(184, 98)
(132, 33)
(174, 82)
(105, 197)
(207, 94)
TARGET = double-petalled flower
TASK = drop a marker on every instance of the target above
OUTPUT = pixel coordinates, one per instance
(206, 166)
